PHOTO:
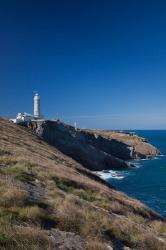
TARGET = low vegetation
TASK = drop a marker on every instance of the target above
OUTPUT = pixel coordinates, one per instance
(96, 245)
(41, 189)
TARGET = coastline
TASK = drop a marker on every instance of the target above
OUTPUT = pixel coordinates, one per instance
(145, 182)
(96, 150)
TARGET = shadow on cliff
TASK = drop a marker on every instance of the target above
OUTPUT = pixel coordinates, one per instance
(92, 151)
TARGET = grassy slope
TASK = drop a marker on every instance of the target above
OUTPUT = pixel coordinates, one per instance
(41, 189)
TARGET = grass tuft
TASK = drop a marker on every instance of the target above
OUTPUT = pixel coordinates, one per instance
(21, 171)
(96, 245)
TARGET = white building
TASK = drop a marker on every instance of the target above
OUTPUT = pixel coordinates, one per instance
(25, 117)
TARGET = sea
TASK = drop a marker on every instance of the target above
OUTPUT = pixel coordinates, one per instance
(146, 182)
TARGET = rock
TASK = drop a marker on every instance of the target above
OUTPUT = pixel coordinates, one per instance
(80, 145)
(95, 150)
(61, 240)
(125, 145)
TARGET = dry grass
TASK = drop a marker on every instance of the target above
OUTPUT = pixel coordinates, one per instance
(64, 197)
(70, 215)
(127, 232)
(76, 216)
(154, 243)
(30, 214)
(10, 194)
(23, 238)
(123, 137)
(158, 226)
(95, 244)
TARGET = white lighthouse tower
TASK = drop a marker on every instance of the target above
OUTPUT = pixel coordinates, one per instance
(36, 106)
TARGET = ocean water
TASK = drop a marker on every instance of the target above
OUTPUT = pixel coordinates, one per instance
(147, 182)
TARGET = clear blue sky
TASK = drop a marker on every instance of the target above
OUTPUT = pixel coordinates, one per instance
(99, 62)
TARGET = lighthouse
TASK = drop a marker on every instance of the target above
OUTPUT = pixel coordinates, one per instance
(36, 106)
(26, 117)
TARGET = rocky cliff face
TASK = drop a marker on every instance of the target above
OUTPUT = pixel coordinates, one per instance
(94, 150)
(137, 147)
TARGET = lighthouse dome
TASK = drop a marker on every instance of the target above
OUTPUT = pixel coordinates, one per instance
(36, 96)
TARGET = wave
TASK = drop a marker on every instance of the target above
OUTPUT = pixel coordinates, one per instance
(159, 156)
(146, 159)
(119, 175)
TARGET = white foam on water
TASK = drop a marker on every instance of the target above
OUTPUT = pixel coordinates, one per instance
(119, 175)
(103, 175)
(156, 158)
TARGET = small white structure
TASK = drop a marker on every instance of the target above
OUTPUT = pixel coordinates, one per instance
(25, 117)
(22, 117)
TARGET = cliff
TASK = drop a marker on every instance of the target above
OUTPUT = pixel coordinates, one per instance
(49, 201)
(96, 150)
(138, 147)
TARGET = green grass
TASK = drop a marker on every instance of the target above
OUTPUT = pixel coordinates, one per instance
(85, 195)
(21, 171)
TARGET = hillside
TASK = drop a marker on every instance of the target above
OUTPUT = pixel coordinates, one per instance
(49, 201)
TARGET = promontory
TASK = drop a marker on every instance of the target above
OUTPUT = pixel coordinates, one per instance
(94, 149)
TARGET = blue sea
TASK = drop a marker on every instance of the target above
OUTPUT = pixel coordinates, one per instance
(147, 182)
